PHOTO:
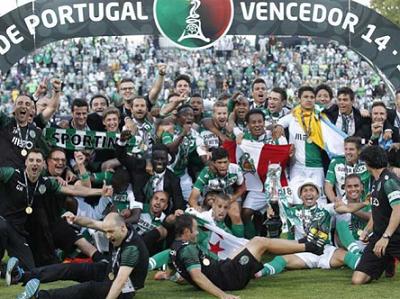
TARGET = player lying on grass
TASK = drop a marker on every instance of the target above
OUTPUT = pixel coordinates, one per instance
(215, 277)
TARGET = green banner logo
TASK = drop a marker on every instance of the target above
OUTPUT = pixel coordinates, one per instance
(193, 24)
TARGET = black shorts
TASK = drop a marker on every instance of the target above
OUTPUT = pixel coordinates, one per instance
(64, 236)
(235, 274)
(374, 266)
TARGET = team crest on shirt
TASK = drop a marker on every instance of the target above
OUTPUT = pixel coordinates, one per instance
(375, 202)
(42, 189)
(247, 163)
(244, 260)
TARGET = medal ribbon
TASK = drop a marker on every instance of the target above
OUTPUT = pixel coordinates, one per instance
(23, 141)
(30, 199)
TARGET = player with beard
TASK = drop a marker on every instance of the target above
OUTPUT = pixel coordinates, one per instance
(181, 142)
(120, 278)
(213, 138)
(17, 135)
(141, 127)
(225, 177)
(22, 192)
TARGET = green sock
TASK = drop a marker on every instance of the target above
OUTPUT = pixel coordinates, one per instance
(159, 259)
(346, 237)
(276, 266)
(238, 230)
(351, 260)
(249, 230)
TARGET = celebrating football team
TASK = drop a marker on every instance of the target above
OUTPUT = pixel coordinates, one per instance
(193, 188)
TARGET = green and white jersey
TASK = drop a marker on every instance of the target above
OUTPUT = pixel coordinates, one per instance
(301, 219)
(207, 141)
(339, 169)
(125, 200)
(254, 105)
(148, 221)
(306, 154)
(144, 137)
(208, 180)
(187, 146)
(272, 118)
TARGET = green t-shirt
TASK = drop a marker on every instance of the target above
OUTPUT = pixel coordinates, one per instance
(130, 256)
(357, 224)
(190, 257)
(187, 146)
(208, 180)
(339, 169)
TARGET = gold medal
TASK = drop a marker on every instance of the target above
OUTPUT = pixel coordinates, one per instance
(309, 140)
(206, 262)
(24, 152)
(28, 210)
(111, 275)
(359, 232)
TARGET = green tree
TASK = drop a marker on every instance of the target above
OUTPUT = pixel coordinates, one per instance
(388, 8)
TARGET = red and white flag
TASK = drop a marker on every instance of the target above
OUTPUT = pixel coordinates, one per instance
(254, 158)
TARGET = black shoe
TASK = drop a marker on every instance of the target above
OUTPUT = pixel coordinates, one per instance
(314, 247)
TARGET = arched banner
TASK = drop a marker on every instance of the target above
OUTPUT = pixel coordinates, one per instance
(197, 24)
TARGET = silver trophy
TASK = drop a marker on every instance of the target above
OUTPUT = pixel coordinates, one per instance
(273, 183)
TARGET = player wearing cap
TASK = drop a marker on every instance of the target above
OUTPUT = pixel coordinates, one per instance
(311, 221)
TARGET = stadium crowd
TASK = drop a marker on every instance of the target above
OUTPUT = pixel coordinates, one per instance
(102, 62)
(110, 158)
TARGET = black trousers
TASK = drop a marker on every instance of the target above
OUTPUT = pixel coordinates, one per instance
(15, 244)
(93, 278)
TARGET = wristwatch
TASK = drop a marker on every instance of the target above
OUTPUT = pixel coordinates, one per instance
(386, 236)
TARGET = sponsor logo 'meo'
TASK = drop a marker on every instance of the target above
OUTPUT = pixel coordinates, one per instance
(193, 24)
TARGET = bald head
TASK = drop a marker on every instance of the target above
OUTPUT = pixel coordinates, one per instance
(115, 228)
(114, 219)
